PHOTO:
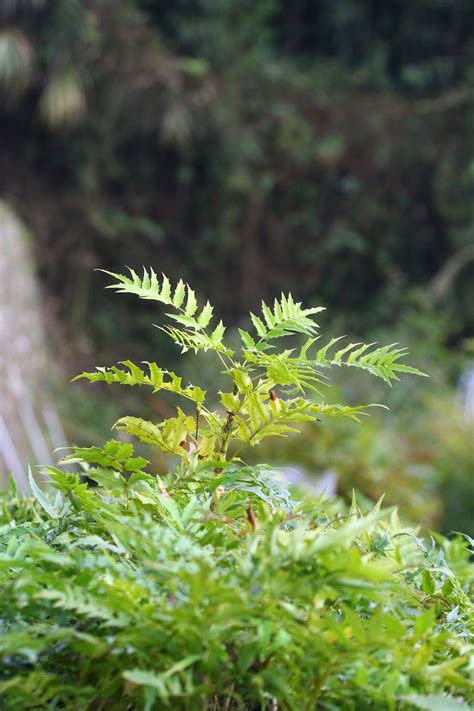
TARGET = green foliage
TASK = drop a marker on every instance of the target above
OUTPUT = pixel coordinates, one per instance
(320, 144)
(424, 465)
(270, 388)
(210, 587)
(144, 594)
(420, 455)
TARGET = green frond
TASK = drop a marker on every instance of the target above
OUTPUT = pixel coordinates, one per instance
(114, 455)
(259, 417)
(286, 318)
(196, 332)
(284, 370)
(155, 377)
(383, 362)
(71, 599)
(273, 390)
(149, 286)
(198, 341)
(169, 435)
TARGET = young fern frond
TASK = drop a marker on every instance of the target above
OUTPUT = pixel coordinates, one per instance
(195, 333)
(303, 372)
(156, 377)
(149, 287)
(170, 435)
(383, 362)
(262, 401)
(191, 339)
(286, 318)
(264, 414)
(281, 369)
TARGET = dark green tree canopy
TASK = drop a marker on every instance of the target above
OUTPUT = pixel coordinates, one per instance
(322, 146)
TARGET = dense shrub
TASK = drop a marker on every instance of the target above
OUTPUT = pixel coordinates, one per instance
(210, 587)
(137, 600)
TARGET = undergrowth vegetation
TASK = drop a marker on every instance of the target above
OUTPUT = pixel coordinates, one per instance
(211, 586)
(421, 460)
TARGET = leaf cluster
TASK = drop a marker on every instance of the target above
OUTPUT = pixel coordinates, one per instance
(272, 389)
(150, 593)
(210, 587)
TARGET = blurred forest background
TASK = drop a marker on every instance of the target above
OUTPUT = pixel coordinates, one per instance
(322, 147)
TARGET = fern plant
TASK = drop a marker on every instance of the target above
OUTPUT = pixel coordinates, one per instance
(211, 588)
(272, 389)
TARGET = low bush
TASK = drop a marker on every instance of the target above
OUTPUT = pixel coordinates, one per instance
(210, 587)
